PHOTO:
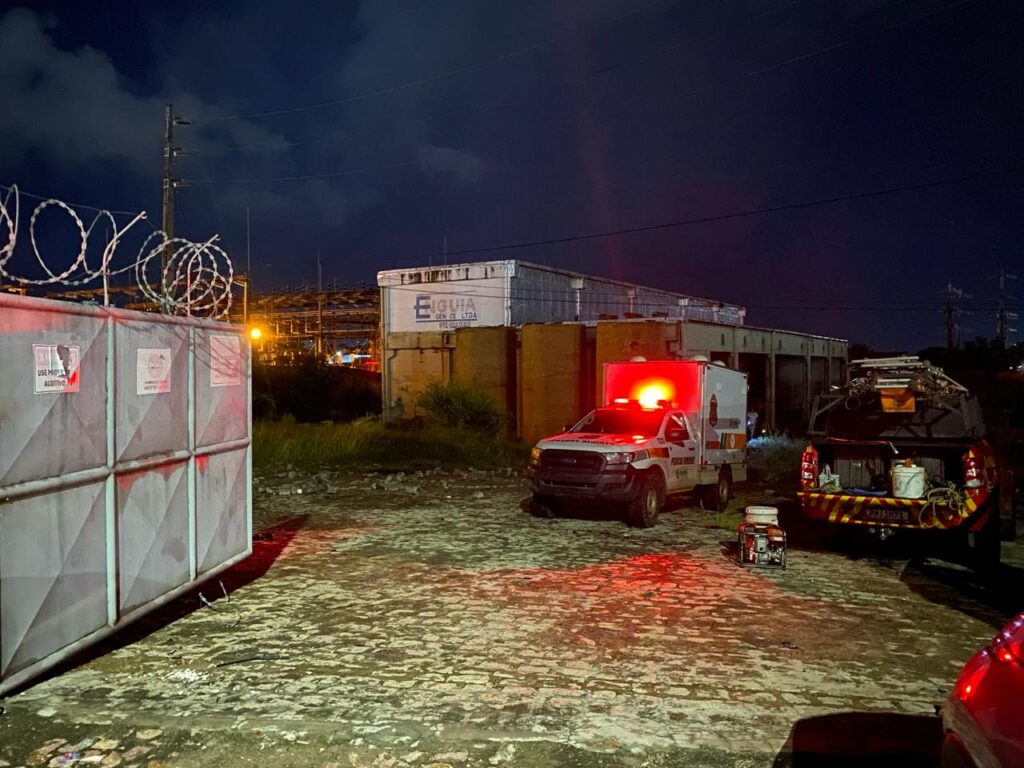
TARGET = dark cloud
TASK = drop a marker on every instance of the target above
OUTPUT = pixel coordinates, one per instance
(73, 106)
(487, 123)
(462, 166)
(68, 105)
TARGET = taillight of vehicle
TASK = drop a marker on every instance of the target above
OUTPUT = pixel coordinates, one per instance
(974, 472)
(971, 676)
(1008, 645)
(809, 467)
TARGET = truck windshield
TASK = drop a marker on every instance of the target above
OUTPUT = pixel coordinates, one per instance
(611, 421)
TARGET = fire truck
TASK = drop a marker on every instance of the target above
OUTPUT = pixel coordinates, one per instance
(903, 447)
(667, 427)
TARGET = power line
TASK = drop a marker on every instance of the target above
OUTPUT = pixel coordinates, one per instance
(770, 67)
(421, 81)
(83, 206)
(430, 118)
(856, 38)
(307, 177)
(372, 94)
(340, 134)
(728, 216)
(770, 11)
(593, 118)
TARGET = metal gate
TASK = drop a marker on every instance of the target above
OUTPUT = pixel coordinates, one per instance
(125, 470)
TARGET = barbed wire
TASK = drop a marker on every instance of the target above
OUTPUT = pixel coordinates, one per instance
(179, 276)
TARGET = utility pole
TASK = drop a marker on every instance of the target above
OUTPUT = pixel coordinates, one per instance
(248, 255)
(168, 206)
(170, 183)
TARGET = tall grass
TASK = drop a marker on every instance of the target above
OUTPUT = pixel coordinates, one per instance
(368, 442)
(775, 459)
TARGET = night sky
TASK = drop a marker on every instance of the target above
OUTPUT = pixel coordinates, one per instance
(374, 131)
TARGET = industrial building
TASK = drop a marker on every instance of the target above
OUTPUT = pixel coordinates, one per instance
(536, 339)
(335, 323)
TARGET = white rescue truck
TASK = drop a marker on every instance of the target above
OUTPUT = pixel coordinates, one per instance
(667, 427)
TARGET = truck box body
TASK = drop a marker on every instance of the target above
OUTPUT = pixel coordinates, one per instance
(666, 427)
(714, 399)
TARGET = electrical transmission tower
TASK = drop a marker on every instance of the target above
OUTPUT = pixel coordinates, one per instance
(954, 312)
(1003, 313)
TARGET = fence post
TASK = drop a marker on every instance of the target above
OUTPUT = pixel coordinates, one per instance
(110, 485)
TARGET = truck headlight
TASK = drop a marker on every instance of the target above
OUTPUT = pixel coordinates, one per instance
(535, 456)
(623, 457)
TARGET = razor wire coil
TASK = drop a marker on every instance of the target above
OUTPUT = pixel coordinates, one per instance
(180, 276)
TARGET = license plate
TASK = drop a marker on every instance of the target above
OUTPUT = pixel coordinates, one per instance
(883, 515)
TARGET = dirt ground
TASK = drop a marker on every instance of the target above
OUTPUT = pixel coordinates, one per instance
(429, 620)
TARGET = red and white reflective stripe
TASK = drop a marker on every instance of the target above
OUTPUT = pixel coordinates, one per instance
(842, 508)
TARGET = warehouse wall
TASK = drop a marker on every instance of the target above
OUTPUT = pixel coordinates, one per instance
(553, 378)
(556, 373)
(486, 359)
(411, 361)
(619, 341)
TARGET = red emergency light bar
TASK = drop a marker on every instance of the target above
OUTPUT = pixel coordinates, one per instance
(652, 384)
(642, 405)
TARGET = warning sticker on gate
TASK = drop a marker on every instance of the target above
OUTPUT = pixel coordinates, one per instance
(225, 361)
(56, 368)
(152, 371)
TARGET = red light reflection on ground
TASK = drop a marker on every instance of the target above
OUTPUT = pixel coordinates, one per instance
(652, 590)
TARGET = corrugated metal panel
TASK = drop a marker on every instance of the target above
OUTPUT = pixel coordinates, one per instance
(152, 532)
(222, 493)
(46, 431)
(542, 295)
(477, 270)
(101, 523)
(151, 386)
(532, 294)
(221, 362)
(53, 566)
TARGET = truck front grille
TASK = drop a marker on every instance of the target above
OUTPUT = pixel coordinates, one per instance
(563, 461)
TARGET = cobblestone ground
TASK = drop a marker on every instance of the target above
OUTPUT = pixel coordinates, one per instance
(430, 620)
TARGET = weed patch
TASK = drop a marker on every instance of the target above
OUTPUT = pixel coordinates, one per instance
(369, 442)
(460, 406)
(775, 459)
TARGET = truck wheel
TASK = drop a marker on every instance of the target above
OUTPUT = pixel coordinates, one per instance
(644, 509)
(545, 506)
(716, 497)
(1008, 520)
(984, 548)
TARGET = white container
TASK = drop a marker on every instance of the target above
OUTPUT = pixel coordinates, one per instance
(908, 482)
(762, 515)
